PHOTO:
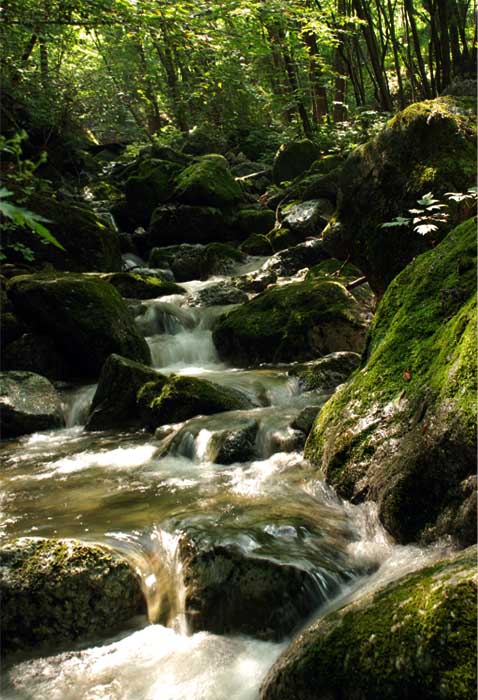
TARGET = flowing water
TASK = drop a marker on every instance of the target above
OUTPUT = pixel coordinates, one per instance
(137, 493)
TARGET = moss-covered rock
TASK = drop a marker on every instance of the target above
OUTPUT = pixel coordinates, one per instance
(135, 286)
(58, 591)
(33, 352)
(402, 431)
(282, 238)
(114, 404)
(255, 221)
(207, 183)
(327, 372)
(90, 242)
(28, 403)
(151, 186)
(256, 244)
(85, 316)
(429, 146)
(185, 397)
(227, 592)
(192, 262)
(293, 159)
(297, 321)
(173, 224)
(416, 638)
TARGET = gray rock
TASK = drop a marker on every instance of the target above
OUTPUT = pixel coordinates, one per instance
(28, 403)
(308, 217)
(326, 373)
(305, 420)
(287, 262)
(219, 294)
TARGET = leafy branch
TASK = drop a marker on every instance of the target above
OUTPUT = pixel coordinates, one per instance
(431, 212)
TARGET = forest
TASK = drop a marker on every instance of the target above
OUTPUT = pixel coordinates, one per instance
(238, 345)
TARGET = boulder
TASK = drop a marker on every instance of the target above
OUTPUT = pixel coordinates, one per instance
(255, 221)
(114, 404)
(289, 261)
(185, 397)
(135, 286)
(428, 147)
(89, 241)
(219, 294)
(207, 183)
(85, 316)
(402, 431)
(172, 224)
(33, 352)
(151, 186)
(308, 218)
(414, 638)
(305, 419)
(257, 244)
(255, 282)
(297, 321)
(293, 159)
(192, 262)
(228, 592)
(326, 373)
(28, 403)
(59, 591)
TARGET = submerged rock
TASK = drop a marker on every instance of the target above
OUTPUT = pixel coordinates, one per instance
(402, 431)
(28, 403)
(428, 147)
(293, 159)
(228, 592)
(57, 591)
(297, 321)
(114, 404)
(415, 638)
(85, 316)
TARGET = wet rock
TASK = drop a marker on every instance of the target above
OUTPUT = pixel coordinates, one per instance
(114, 404)
(402, 431)
(428, 147)
(28, 403)
(184, 397)
(326, 373)
(192, 262)
(135, 286)
(287, 262)
(287, 440)
(85, 316)
(219, 294)
(180, 223)
(207, 183)
(58, 591)
(255, 282)
(305, 420)
(293, 159)
(230, 593)
(297, 321)
(414, 638)
(308, 218)
(32, 352)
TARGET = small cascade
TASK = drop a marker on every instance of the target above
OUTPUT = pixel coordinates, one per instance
(76, 405)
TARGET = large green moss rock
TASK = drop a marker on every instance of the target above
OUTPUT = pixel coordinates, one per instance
(402, 431)
(255, 221)
(85, 316)
(58, 591)
(28, 403)
(298, 321)
(114, 404)
(207, 183)
(90, 242)
(185, 397)
(416, 638)
(293, 159)
(151, 186)
(136, 286)
(230, 593)
(429, 146)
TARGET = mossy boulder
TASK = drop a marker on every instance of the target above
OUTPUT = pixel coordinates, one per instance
(230, 593)
(256, 244)
(34, 352)
(207, 183)
(182, 397)
(114, 404)
(135, 286)
(89, 241)
(85, 316)
(172, 224)
(429, 146)
(298, 321)
(282, 238)
(255, 221)
(402, 431)
(416, 638)
(327, 372)
(58, 591)
(28, 403)
(192, 262)
(151, 186)
(293, 159)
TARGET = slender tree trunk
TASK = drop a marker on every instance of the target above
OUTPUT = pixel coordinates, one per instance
(44, 67)
(363, 13)
(416, 45)
(318, 91)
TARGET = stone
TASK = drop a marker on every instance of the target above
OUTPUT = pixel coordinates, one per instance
(293, 159)
(85, 316)
(308, 218)
(402, 430)
(219, 294)
(326, 373)
(29, 403)
(58, 591)
(135, 286)
(414, 638)
(288, 262)
(33, 352)
(151, 186)
(207, 183)
(172, 224)
(305, 420)
(191, 262)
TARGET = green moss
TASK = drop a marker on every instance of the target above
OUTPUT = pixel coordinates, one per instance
(255, 221)
(153, 185)
(293, 159)
(135, 286)
(207, 183)
(256, 244)
(282, 238)
(415, 638)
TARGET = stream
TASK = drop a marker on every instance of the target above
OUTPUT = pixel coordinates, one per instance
(137, 493)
